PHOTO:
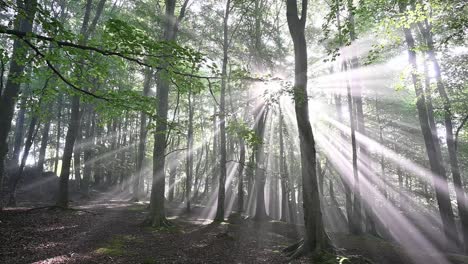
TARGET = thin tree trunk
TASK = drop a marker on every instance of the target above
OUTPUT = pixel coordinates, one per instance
(173, 172)
(356, 217)
(44, 142)
(137, 191)
(222, 115)
(27, 147)
(189, 154)
(440, 180)
(59, 122)
(283, 172)
(77, 156)
(346, 183)
(19, 134)
(453, 159)
(88, 150)
(240, 186)
(74, 123)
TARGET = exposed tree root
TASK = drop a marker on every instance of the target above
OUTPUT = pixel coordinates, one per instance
(301, 249)
(157, 223)
(296, 250)
(134, 200)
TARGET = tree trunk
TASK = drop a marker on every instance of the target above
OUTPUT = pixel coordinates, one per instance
(292, 188)
(88, 150)
(44, 142)
(189, 154)
(346, 183)
(440, 180)
(283, 172)
(77, 156)
(356, 217)
(157, 216)
(27, 147)
(58, 135)
(23, 23)
(222, 115)
(259, 185)
(453, 159)
(240, 186)
(74, 123)
(315, 236)
(19, 134)
(214, 165)
(139, 175)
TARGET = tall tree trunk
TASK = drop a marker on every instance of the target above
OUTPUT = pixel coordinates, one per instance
(77, 156)
(315, 236)
(356, 217)
(453, 159)
(260, 177)
(249, 173)
(360, 125)
(292, 188)
(88, 150)
(157, 216)
(338, 104)
(240, 186)
(283, 172)
(19, 134)
(44, 142)
(222, 116)
(27, 147)
(137, 191)
(173, 172)
(189, 154)
(197, 182)
(383, 188)
(207, 166)
(23, 22)
(439, 174)
(74, 123)
(214, 168)
(59, 133)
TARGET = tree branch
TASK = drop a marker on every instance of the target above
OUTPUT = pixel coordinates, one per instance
(175, 150)
(49, 64)
(23, 35)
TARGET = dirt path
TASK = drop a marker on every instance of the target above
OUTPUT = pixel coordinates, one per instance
(112, 234)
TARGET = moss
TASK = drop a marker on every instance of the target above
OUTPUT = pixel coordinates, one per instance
(116, 246)
(459, 259)
(138, 208)
(149, 261)
(164, 229)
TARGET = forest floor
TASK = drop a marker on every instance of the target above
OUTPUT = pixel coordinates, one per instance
(110, 231)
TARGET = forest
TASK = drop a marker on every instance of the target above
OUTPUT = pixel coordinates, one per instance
(234, 131)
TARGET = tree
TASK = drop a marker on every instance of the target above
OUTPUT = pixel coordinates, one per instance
(24, 22)
(315, 235)
(138, 181)
(222, 117)
(74, 124)
(440, 180)
(157, 216)
(449, 130)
